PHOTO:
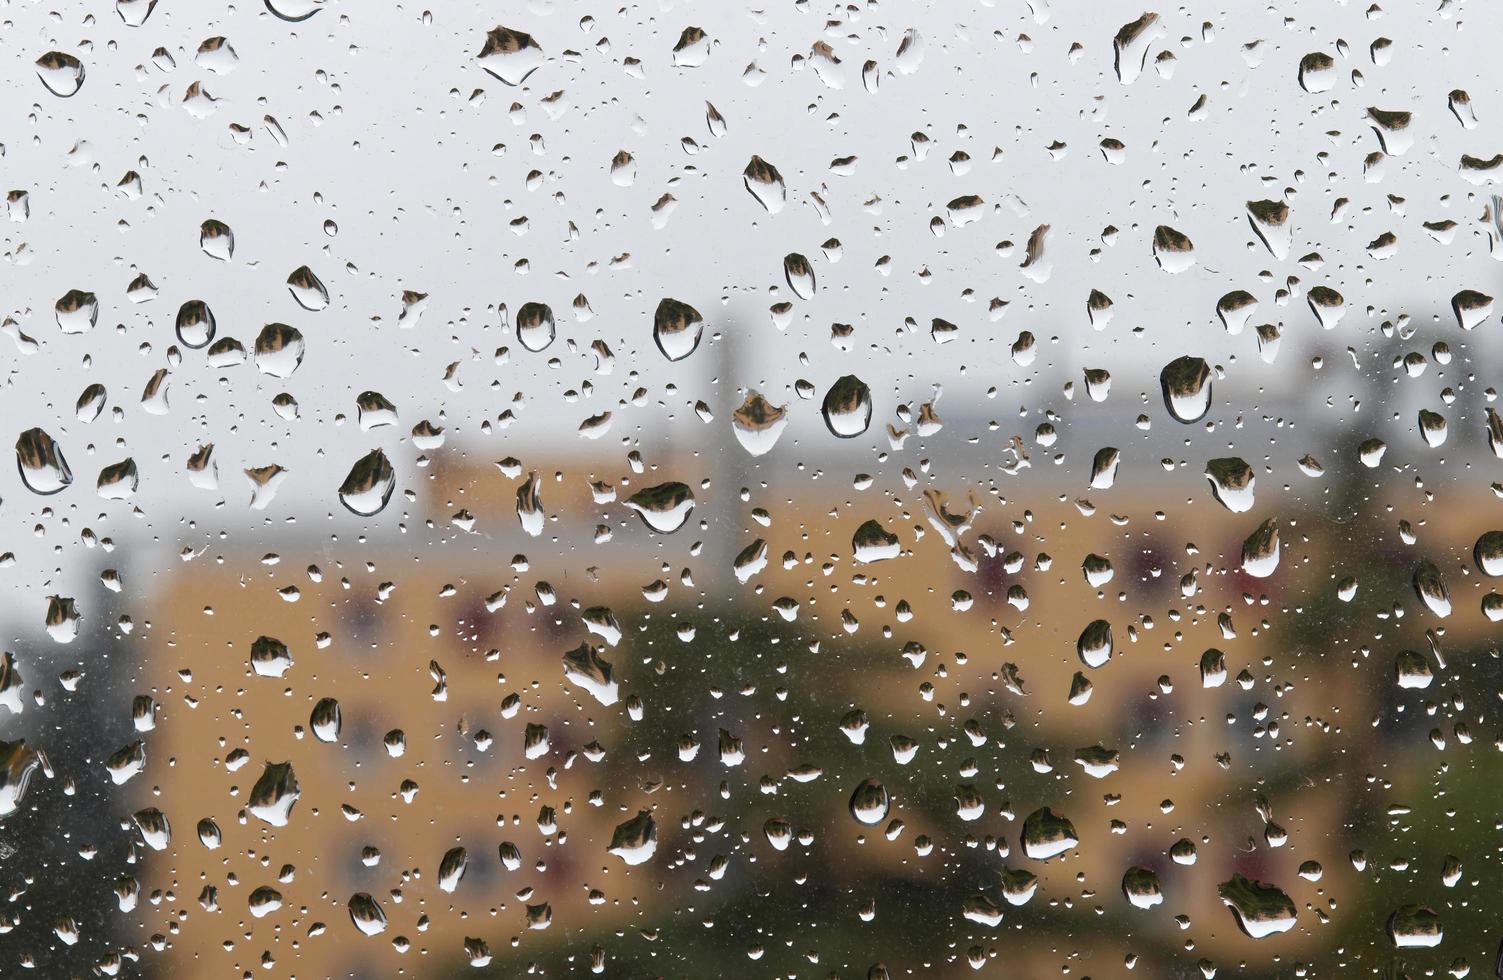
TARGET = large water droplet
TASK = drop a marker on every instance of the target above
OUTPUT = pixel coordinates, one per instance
(635, 841)
(279, 350)
(1130, 46)
(758, 423)
(510, 55)
(369, 484)
(848, 407)
(195, 324)
(872, 543)
(1261, 910)
(309, 291)
(365, 911)
(1260, 552)
(1141, 887)
(535, 326)
(40, 460)
(1047, 834)
(585, 668)
(61, 73)
(765, 184)
(663, 508)
(869, 802)
(274, 794)
(677, 328)
(1095, 643)
(1232, 483)
(1186, 385)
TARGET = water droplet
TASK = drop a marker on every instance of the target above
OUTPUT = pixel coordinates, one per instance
(585, 668)
(677, 328)
(1104, 467)
(635, 841)
(77, 311)
(294, 10)
(869, 802)
(62, 74)
(1471, 308)
(217, 240)
(1317, 72)
(758, 423)
(325, 720)
(1047, 834)
(510, 55)
(848, 407)
(1232, 483)
(692, 49)
(155, 830)
(1094, 646)
(1261, 910)
(1415, 927)
(530, 512)
(800, 275)
(307, 289)
(1260, 552)
(279, 350)
(765, 184)
(663, 508)
(274, 794)
(134, 12)
(1186, 385)
(17, 763)
(365, 911)
(195, 324)
(872, 543)
(368, 486)
(1141, 887)
(1172, 249)
(451, 869)
(1328, 305)
(535, 326)
(1130, 46)
(1270, 219)
(1430, 587)
(40, 460)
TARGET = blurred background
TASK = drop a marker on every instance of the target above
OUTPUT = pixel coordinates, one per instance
(430, 198)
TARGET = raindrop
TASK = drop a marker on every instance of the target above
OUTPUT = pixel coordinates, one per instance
(274, 794)
(677, 328)
(848, 407)
(635, 841)
(294, 10)
(509, 55)
(765, 184)
(663, 508)
(368, 486)
(1232, 483)
(1261, 910)
(365, 911)
(800, 275)
(535, 327)
(1141, 887)
(307, 289)
(40, 460)
(195, 324)
(1186, 385)
(758, 423)
(62, 74)
(1260, 551)
(1047, 834)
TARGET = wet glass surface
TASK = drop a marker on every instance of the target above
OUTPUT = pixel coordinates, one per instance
(683, 490)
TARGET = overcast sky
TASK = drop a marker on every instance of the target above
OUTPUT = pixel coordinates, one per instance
(422, 159)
